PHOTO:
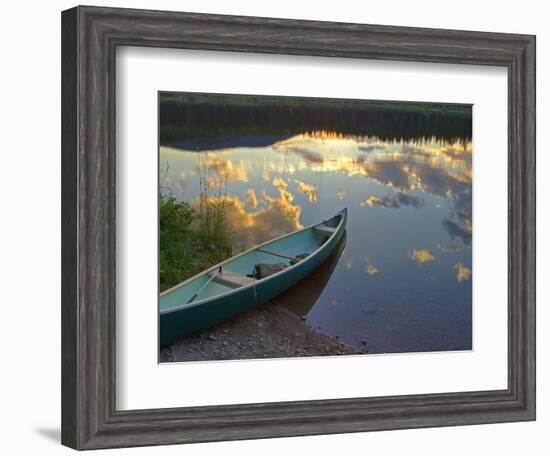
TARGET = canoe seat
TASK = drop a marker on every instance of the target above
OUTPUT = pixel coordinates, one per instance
(326, 230)
(232, 279)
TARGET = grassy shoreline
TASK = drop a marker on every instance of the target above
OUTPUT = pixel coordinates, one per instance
(190, 240)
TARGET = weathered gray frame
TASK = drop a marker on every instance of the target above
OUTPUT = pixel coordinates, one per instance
(90, 36)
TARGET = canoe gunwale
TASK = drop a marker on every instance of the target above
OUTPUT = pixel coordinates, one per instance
(341, 223)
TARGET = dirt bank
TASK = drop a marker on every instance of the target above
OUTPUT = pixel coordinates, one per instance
(269, 331)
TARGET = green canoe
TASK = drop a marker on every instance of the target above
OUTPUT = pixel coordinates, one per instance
(246, 280)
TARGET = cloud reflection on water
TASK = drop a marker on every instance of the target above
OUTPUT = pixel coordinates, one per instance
(307, 189)
(394, 201)
(428, 165)
(421, 256)
(267, 207)
(462, 272)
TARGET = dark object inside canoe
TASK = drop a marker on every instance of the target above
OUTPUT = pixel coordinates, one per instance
(263, 270)
(300, 256)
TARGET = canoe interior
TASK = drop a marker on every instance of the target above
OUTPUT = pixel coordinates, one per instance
(304, 241)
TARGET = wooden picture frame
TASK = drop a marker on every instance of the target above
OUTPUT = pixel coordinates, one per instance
(90, 37)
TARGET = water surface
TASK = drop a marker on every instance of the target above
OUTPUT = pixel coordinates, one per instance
(403, 281)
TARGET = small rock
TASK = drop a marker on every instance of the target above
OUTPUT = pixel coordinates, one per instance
(225, 343)
(304, 317)
(212, 337)
(363, 341)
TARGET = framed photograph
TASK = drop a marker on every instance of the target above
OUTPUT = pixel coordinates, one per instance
(279, 228)
(287, 210)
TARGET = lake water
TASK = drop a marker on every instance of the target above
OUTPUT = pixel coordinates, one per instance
(402, 282)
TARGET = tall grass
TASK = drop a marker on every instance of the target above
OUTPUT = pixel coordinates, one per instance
(192, 239)
(213, 223)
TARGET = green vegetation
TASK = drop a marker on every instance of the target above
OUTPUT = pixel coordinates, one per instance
(191, 240)
(196, 118)
(265, 101)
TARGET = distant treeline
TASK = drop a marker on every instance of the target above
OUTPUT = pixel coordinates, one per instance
(193, 116)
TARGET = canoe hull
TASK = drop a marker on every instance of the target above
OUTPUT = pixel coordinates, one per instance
(188, 321)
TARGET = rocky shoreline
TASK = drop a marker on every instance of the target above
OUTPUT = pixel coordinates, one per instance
(268, 331)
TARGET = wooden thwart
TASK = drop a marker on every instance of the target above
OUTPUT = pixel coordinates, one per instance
(291, 258)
